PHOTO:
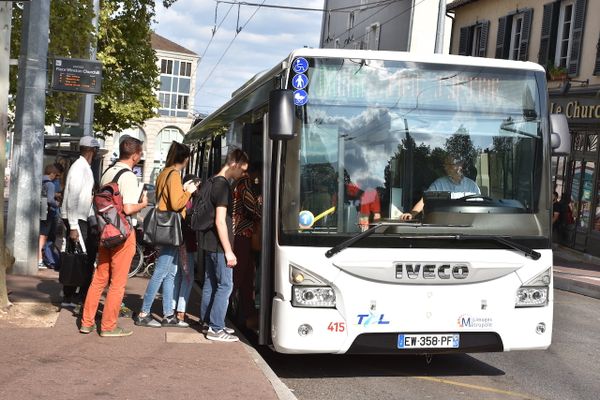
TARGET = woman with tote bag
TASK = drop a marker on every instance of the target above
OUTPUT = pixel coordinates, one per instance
(171, 196)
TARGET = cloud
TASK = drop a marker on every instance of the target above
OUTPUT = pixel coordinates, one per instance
(267, 37)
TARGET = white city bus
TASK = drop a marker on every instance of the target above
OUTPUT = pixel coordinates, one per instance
(348, 140)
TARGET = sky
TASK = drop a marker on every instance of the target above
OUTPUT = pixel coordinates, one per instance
(267, 37)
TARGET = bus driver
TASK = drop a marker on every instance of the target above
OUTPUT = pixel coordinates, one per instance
(454, 182)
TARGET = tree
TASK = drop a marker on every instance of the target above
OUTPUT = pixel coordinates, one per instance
(129, 69)
(130, 74)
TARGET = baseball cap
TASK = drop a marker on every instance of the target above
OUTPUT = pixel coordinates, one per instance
(88, 141)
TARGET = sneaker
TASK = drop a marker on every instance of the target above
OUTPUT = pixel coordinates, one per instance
(173, 322)
(220, 336)
(146, 321)
(41, 265)
(227, 330)
(117, 332)
(66, 303)
(87, 329)
(125, 312)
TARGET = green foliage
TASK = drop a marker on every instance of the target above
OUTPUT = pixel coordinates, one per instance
(130, 73)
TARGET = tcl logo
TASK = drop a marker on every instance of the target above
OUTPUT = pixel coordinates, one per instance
(422, 271)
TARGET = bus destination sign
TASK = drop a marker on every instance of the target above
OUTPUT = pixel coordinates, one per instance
(81, 76)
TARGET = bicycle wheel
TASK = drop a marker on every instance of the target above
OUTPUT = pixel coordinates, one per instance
(149, 270)
(138, 261)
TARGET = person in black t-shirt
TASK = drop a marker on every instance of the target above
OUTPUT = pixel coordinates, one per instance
(217, 243)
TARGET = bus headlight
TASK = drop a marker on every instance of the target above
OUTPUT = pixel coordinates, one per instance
(534, 292)
(313, 296)
(532, 297)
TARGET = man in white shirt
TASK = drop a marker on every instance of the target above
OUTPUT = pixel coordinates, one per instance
(76, 208)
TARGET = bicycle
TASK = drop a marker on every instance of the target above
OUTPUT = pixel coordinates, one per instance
(144, 258)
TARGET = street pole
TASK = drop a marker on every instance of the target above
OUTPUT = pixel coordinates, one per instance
(439, 34)
(88, 101)
(23, 223)
(5, 22)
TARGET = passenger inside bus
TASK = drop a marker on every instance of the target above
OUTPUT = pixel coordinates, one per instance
(454, 182)
(369, 202)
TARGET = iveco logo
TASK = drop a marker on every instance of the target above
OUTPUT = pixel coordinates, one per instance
(431, 271)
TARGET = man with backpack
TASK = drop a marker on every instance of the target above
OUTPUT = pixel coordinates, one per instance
(216, 239)
(75, 211)
(113, 262)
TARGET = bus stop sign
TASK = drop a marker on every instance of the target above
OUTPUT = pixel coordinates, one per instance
(73, 75)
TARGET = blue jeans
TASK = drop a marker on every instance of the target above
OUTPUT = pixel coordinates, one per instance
(218, 285)
(164, 273)
(183, 284)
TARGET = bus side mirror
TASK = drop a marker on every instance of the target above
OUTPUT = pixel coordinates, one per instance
(560, 137)
(281, 114)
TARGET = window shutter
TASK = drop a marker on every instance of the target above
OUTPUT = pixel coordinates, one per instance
(525, 33)
(501, 41)
(573, 68)
(463, 43)
(597, 66)
(548, 36)
(483, 39)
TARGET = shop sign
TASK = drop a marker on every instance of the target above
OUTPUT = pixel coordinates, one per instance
(577, 109)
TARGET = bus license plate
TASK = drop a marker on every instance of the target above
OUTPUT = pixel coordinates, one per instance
(447, 341)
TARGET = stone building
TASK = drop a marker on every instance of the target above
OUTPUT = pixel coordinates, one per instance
(177, 67)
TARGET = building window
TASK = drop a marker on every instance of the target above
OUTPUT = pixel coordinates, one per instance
(182, 102)
(597, 65)
(185, 69)
(562, 34)
(166, 67)
(512, 42)
(164, 99)
(565, 35)
(164, 139)
(473, 39)
(373, 33)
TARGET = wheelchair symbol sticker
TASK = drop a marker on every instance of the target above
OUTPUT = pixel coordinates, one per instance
(300, 65)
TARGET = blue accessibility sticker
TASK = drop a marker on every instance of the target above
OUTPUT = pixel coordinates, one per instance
(300, 81)
(300, 97)
(300, 65)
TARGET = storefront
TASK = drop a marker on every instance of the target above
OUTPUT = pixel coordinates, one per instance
(576, 175)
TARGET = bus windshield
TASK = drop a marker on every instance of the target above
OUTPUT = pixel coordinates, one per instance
(458, 146)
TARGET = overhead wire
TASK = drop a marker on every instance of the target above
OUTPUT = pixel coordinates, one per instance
(390, 19)
(227, 49)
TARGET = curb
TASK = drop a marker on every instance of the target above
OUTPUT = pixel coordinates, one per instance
(583, 288)
(281, 390)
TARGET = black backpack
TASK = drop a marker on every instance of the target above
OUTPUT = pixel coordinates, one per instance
(202, 215)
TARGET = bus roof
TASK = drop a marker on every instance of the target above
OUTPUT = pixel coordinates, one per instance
(235, 107)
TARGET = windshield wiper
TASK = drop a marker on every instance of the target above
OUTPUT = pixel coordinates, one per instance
(349, 242)
(529, 252)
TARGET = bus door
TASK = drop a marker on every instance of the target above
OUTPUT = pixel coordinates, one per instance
(265, 271)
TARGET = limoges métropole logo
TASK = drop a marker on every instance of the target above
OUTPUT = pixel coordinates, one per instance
(469, 321)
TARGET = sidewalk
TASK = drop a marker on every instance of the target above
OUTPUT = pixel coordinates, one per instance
(61, 363)
(576, 272)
